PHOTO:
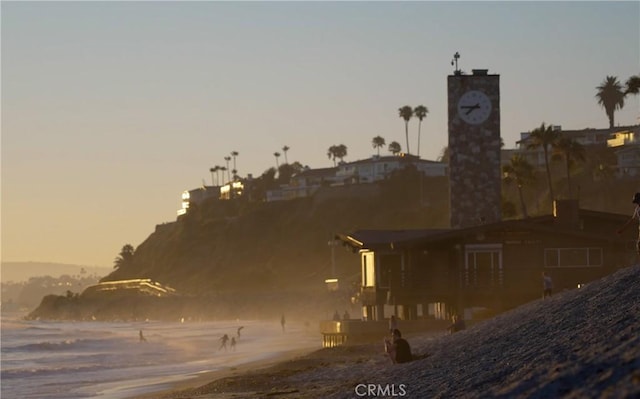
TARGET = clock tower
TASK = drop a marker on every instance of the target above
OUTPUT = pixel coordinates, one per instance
(474, 148)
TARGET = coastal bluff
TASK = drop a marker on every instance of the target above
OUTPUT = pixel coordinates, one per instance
(236, 258)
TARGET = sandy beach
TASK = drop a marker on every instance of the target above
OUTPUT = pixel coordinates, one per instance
(581, 343)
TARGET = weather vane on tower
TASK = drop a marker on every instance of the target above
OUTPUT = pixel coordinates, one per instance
(454, 61)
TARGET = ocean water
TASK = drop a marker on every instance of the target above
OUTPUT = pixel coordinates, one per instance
(69, 360)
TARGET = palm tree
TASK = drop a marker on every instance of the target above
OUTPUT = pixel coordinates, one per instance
(217, 169)
(394, 148)
(234, 154)
(611, 97)
(378, 142)
(337, 151)
(633, 85)
(277, 155)
(406, 113)
(342, 152)
(521, 172)
(228, 159)
(420, 112)
(572, 152)
(284, 150)
(212, 170)
(223, 169)
(545, 137)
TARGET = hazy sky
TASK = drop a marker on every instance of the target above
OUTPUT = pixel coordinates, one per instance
(111, 110)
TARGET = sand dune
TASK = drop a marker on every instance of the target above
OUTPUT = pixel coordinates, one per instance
(582, 343)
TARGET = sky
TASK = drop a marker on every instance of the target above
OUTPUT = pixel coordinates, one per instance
(110, 110)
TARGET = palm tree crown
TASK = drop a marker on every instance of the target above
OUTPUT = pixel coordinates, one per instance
(633, 85)
(394, 148)
(378, 142)
(337, 151)
(611, 97)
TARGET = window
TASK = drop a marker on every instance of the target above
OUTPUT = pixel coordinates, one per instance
(368, 270)
(572, 257)
(483, 266)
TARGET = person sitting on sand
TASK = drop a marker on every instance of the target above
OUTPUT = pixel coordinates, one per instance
(223, 342)
(457, 324)
(398, 348)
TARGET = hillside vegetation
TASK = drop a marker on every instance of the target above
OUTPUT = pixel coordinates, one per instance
(284, 246)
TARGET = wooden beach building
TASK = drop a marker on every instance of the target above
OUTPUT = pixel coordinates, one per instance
(418, 274)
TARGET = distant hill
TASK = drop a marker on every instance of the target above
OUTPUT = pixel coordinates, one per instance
(21, 271)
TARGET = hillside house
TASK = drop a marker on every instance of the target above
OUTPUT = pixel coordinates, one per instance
(379, 168)
(622, 141)
(196, 196)
(303, 184)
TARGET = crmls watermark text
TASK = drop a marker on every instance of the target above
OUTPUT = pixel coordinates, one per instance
(374, 390)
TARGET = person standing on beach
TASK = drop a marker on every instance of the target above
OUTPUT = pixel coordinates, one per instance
(238, 332)
(547, 285)
(282, 322)
(635, 218)
(398, 348)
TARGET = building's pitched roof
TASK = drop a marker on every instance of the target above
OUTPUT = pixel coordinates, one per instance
(391, 239)
(391, 158)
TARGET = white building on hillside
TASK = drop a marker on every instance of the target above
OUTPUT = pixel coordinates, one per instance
(379, 168)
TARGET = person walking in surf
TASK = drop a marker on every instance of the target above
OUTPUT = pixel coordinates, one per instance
(223, 342)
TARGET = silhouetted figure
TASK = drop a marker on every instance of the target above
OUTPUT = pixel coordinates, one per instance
(547, 285)
(233, 343)
(336, 316)
(398, 348)
(457, 324)
(346, 316)
(223, 342)
(282, 322)
(635, 219)
(240, 328)
(142, 338)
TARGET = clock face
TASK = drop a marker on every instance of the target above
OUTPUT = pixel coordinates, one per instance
(474, 107)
